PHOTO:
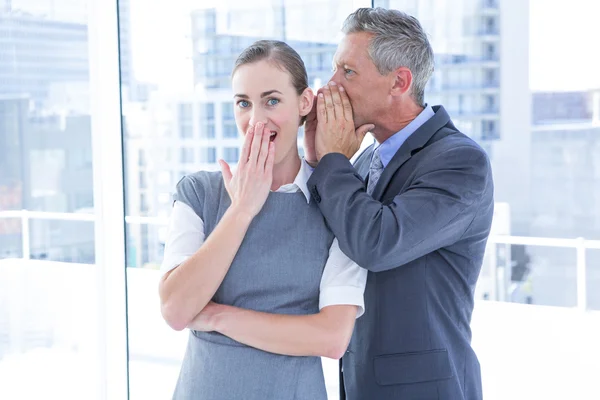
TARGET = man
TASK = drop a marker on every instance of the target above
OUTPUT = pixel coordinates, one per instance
(415, 210)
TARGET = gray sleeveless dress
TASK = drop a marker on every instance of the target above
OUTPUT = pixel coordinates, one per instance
(277, 269)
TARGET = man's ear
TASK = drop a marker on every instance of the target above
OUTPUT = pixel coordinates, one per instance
(307, 99)
(401, 81)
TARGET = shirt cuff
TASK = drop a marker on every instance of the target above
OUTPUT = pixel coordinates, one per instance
(343, 295)
(310, 167)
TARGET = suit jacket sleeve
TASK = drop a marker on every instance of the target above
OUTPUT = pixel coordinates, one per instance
(434, 212)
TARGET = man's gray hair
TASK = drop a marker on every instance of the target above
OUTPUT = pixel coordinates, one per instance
(399, 41)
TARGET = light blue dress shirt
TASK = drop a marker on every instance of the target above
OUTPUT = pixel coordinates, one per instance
(388, 148)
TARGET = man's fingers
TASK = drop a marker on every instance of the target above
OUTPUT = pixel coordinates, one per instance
(321, 109)
(362, 131)
(337, 100)
(329, 104)
(346, 105)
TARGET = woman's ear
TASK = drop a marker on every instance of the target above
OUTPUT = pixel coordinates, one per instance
(307, 99)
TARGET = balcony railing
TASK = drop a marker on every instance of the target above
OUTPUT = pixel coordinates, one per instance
(499, 274)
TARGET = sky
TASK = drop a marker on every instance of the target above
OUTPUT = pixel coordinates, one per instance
(564, 45)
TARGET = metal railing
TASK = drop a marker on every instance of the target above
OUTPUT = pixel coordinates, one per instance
(500, 274)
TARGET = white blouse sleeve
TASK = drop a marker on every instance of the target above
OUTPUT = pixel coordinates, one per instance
(343, 281)
(185, 235)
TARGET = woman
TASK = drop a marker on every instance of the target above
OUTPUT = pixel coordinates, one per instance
(284, 294)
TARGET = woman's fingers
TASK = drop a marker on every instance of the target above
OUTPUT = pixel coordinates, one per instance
(256, 143)
(264, 148)
(270, 161)
(246, 147)
(227, 175)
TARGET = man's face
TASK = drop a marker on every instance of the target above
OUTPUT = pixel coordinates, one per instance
(367, 89)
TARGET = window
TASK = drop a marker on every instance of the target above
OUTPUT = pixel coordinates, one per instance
(185, 113)
(230, 131)
(490, 25)
(143, 184)
(207, 131)
(187, 155)
(490, 52)
(231, 154)
(227, 111)
(489, 130)
(143, 203)
(490, 103)
(490, 77)
(141, 158)
(186, 131)
(208, 155)
(207, 112)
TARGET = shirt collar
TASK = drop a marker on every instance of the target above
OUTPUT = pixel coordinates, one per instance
(300, 182)
(390, 147)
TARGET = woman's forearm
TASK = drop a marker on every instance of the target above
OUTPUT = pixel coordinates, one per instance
(186, 290)
(325, 334)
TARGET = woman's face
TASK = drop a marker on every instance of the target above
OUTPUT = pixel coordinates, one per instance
(264, 93)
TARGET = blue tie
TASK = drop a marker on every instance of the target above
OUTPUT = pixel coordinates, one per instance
(375, 171)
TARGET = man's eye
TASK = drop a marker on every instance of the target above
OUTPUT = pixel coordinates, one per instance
(348, 71)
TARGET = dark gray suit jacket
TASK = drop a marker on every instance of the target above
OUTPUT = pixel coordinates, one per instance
(422, 236)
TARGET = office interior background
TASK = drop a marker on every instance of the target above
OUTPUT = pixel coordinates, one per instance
(105, 105)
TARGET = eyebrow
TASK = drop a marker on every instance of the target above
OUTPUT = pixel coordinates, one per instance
(263, 94)
(341, 63)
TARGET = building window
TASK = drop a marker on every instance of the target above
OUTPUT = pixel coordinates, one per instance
(207, 111)
(490, 103)
(143, 203)
(490, 78)
(227, 111)
(187, 155)
(143, 183)
(208, 155)
(489, 130)
(490, 51)
(186, 131)
(207, 131)
(230, 131)
(185, 113)
(490, 27)
(141, 158)
(231, 154)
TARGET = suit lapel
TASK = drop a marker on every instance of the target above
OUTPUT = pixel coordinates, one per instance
(411, 146)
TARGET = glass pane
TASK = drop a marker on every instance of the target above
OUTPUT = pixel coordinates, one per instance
(48, 280)
(593, 278)
(498, 81)
(66, 241)
(544, 275)
(191, 63)
(12, 238)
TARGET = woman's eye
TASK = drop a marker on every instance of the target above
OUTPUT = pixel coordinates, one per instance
(273, 102)
(243, 103)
